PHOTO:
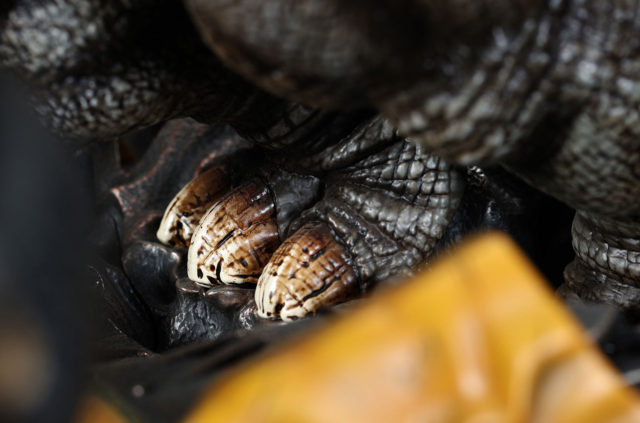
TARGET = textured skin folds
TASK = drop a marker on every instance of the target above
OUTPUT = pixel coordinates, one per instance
(101, 68)
(547, 88)
(390, 209)
(365, 206)
(386, 200)
(332, 53)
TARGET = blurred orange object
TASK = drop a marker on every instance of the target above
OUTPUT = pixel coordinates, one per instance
(95, 410)
(479, 337)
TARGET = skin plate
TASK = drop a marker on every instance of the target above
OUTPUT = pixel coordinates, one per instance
(235, 238)
(309, 271)
(188, 206)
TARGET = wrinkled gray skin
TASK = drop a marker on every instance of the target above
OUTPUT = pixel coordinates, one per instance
(385, 199)
(102, 68)
(548, 89)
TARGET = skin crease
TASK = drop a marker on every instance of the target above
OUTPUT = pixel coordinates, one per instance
(340, 53)
(548, 89)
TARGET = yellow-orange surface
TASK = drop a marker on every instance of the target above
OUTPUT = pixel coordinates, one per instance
(94, 410)
(476, 338)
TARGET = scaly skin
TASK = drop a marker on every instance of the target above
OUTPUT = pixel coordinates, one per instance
(549, 89)
(346, 205)
(101, 68)
(546, 88)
